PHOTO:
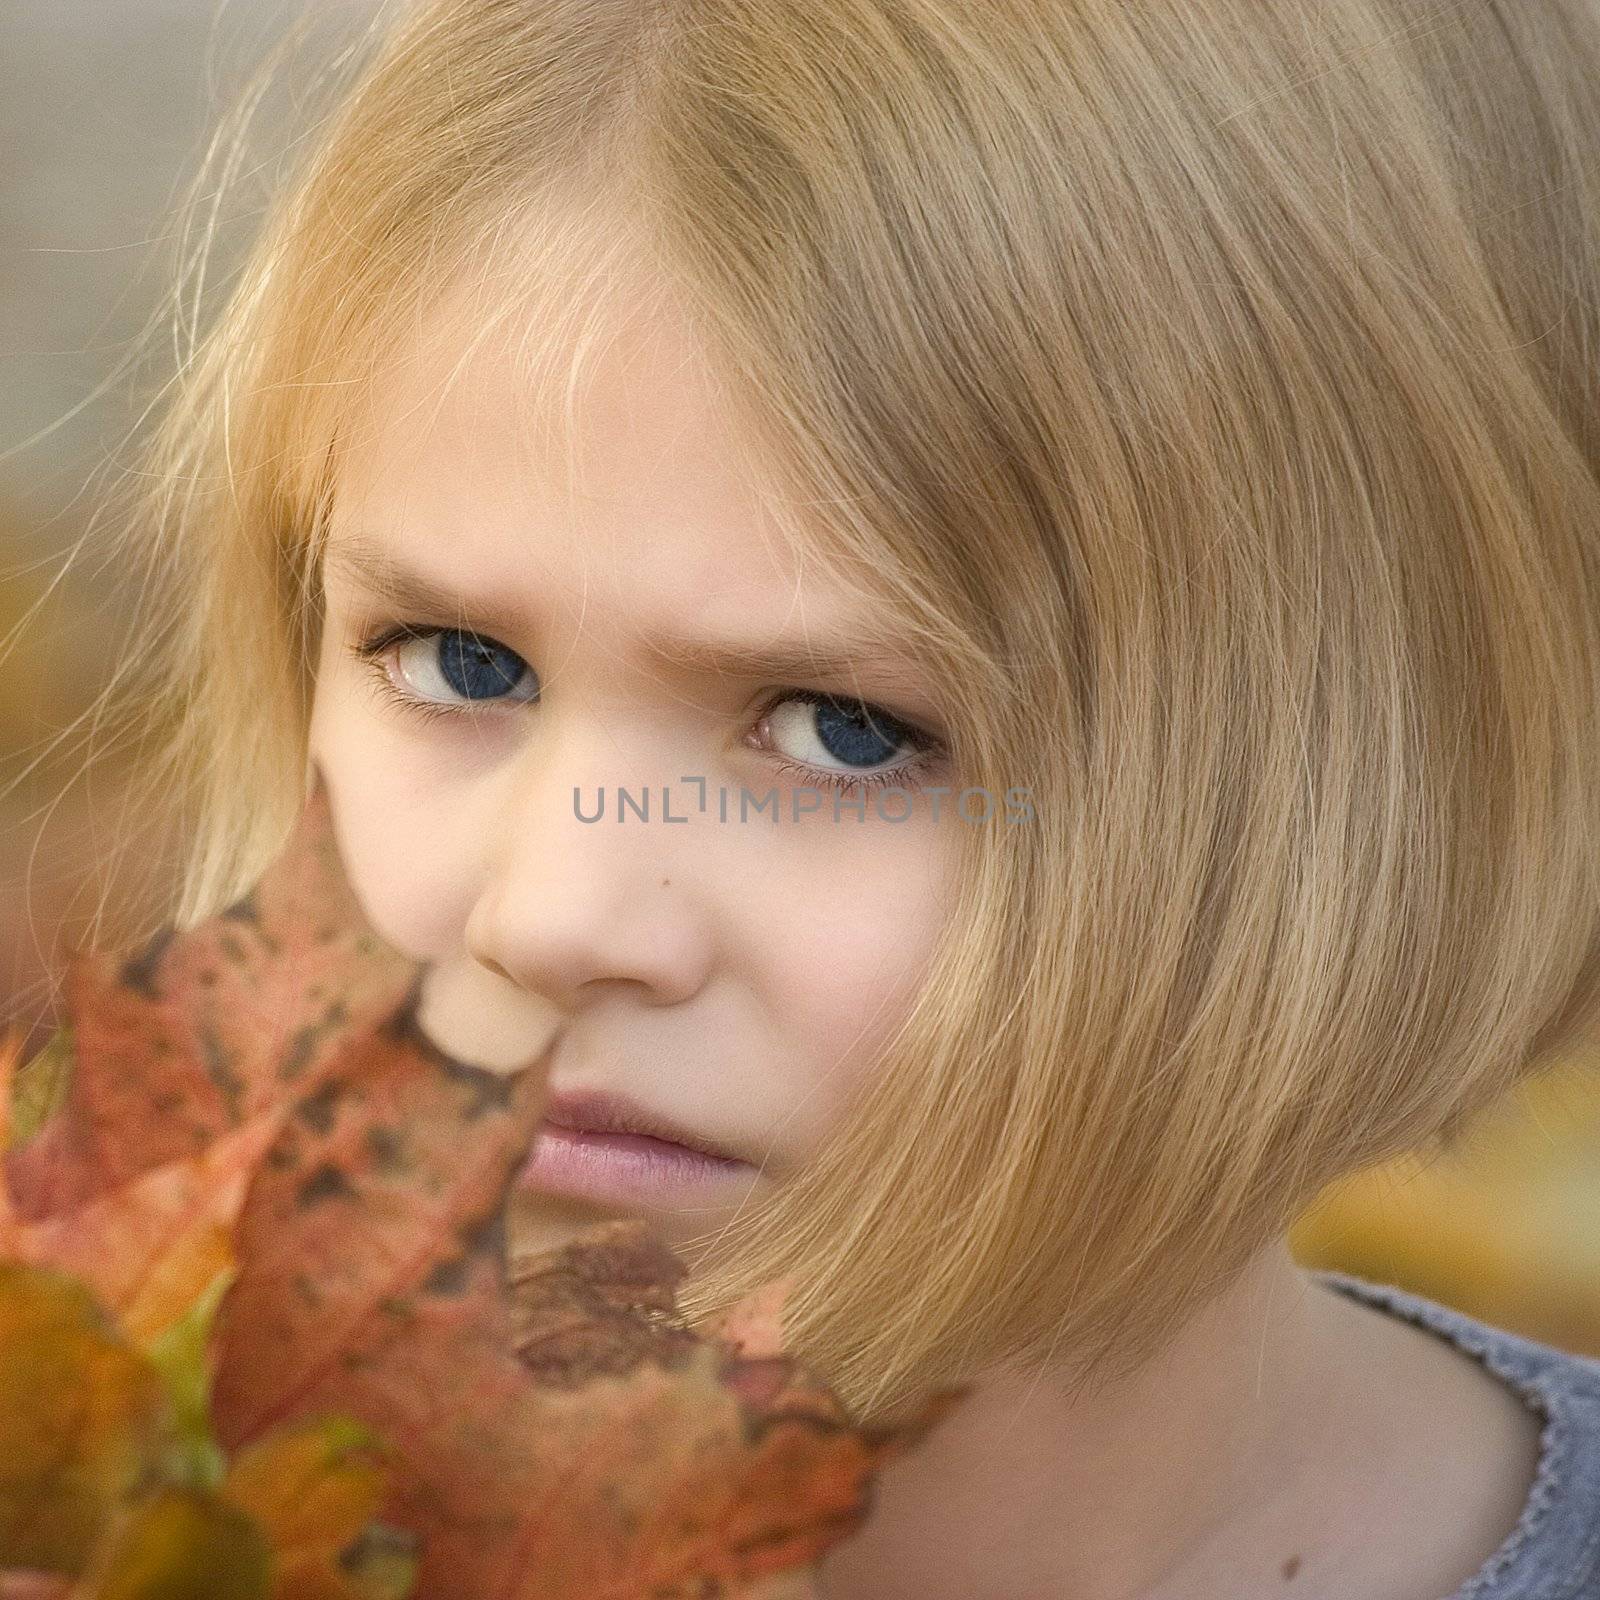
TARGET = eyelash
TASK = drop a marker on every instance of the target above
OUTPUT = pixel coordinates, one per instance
(371, 651)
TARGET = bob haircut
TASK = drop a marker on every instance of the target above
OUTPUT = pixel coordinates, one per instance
(1208, 390)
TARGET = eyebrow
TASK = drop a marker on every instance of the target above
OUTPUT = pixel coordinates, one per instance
(832, 656)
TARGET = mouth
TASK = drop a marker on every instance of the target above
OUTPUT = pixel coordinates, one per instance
(612, 1151)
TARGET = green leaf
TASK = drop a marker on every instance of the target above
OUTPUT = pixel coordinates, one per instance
(40, 1085)
(182, 1355)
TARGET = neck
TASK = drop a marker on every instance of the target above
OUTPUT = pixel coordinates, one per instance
(1198, 1461)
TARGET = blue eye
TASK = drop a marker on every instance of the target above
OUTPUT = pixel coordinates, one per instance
(467, 665)
(477, 669)
(849, 731)
(454, 672)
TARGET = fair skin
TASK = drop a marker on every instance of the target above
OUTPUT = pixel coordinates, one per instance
(738, 979)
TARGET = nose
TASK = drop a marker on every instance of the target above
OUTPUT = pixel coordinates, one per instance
(570, 907)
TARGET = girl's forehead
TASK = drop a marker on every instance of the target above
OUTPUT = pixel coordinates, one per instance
(613, 388)
(634, 505)
(612, 449)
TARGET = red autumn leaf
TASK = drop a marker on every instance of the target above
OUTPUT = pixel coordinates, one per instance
(149, 1249)
(689, 1467)
(108, 1460)
(198, 1032)
(563, 1435)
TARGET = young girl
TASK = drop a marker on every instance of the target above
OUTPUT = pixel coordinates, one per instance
(1075, 526)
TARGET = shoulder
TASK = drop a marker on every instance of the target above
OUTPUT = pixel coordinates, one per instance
(1553, 1553)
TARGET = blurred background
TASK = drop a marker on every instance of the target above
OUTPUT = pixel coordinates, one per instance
(105, 110)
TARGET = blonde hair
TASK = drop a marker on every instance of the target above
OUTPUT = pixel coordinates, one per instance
(1210, 390)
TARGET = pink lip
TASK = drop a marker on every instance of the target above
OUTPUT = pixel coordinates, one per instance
(620, 1168)
(599, 1145)
(603, 1111)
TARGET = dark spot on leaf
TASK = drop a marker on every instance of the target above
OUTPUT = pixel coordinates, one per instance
(402, 1023)
(621, 1282)
(219, 1068)
(486, 1090)
(282, 1158)
(231, 948)
(386, 1146)
(298, 1056)
(326, 1183)
(317, 1109)
(488, 1237)
(139, 970)
(449, 1277)
(1291, 1567)
(377, 1543)
(244, 909)
(303, 1045)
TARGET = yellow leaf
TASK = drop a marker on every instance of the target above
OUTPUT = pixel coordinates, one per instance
(84, 1420)
(182, 1544)
(314, 1487)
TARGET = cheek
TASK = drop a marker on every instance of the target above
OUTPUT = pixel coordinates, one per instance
(398, 858)
(848, 954)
